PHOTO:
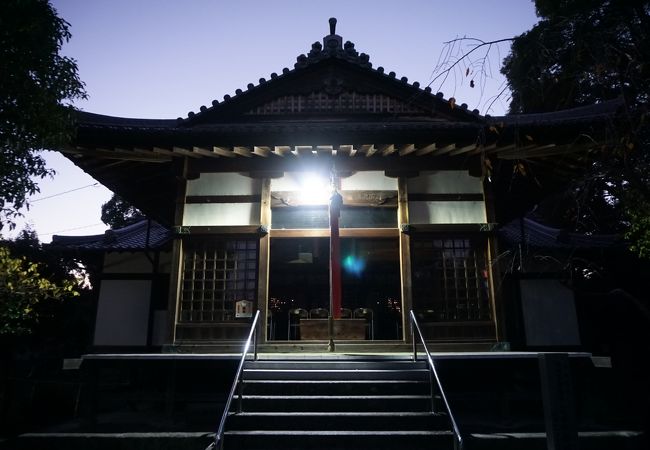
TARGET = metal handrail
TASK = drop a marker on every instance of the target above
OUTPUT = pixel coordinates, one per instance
(434, 372)
(252, 335)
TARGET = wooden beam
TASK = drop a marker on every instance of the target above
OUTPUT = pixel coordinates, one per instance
(405, 149)
(126, 156)
(426, 149)
(444, 150)
(465, 149)
(304, 150)
(387, 149)
(163, 151)
(344, 150)
(367, 149)
(344, 232)
(242, 151)
(262, 151)
(204, 152)
(324, 150)
(282, 150)
(497, 149)
(185, 152)
(223, 151)
(142, 151)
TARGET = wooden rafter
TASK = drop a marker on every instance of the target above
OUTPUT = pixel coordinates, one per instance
(204, 152)
(444, 150)
(185, 152)
(242, 151)
(282, 150)
(405, 149)
(304, 150)
(262, 151)
(387, 149)
(324, 150)
(223, 151)
(425, 149)
(465, 149)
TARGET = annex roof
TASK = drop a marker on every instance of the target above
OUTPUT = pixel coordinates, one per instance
(142, 235)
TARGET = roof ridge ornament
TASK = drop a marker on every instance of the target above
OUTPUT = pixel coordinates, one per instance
(333, 47)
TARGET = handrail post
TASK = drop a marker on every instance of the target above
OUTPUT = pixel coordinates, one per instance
(257, 327)
(237, 387)
(433, 376)
(415, 346)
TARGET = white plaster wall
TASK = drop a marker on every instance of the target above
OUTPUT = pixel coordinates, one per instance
(445, 182)
(123, 313)
(369, 181)
(207, 214)
(291, 181)
(446, 212)
(223, 184)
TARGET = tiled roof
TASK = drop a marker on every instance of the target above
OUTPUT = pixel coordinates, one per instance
(142, 235)
(542, 236)
(332, 48)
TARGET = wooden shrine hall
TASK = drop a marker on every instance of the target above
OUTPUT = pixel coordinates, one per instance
(332, 189)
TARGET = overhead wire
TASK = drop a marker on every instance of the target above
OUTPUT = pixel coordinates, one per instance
(64, 192)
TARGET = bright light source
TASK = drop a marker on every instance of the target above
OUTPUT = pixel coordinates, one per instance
(314, 189)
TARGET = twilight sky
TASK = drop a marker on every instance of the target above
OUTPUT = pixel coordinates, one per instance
(163, 58)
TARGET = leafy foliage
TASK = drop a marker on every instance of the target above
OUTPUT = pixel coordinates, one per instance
(118, 213)
(581, 52)
(22, 289)
(37, 84)
(584, 52)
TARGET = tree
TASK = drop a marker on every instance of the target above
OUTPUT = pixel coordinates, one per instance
(581, 52)
(37, 85)
(584, 52)
(118, 213)
(23, 290)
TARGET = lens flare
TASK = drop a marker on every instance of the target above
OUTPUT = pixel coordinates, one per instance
(354, 265)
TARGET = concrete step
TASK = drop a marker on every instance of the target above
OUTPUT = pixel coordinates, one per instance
(331, 421)
(335, 374)
(331, 364)
(337, 440)
(337, 387)
(332, 403)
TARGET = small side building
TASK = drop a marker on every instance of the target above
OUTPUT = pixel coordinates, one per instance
(133, 284)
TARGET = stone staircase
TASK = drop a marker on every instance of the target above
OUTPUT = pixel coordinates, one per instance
(336, 404)
(344, 401)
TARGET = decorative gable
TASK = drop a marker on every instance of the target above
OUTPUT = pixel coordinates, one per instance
(349, 102)
(332, 79)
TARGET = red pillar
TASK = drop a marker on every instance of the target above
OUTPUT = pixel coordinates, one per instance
(335, 255)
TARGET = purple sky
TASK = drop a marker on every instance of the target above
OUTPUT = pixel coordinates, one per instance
(162, 59)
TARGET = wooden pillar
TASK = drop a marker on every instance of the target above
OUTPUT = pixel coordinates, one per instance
(335, 255)
(405, 254)
(175, 276)
(264, 258)
(498, 310)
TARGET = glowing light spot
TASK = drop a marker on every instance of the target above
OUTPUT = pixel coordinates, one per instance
(354, 265)
(314, 189)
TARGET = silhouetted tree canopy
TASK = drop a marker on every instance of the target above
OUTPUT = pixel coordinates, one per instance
(36, 86)
(118, 213)
(584, 52)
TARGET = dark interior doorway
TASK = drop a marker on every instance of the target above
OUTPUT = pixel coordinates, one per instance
(299, 282)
